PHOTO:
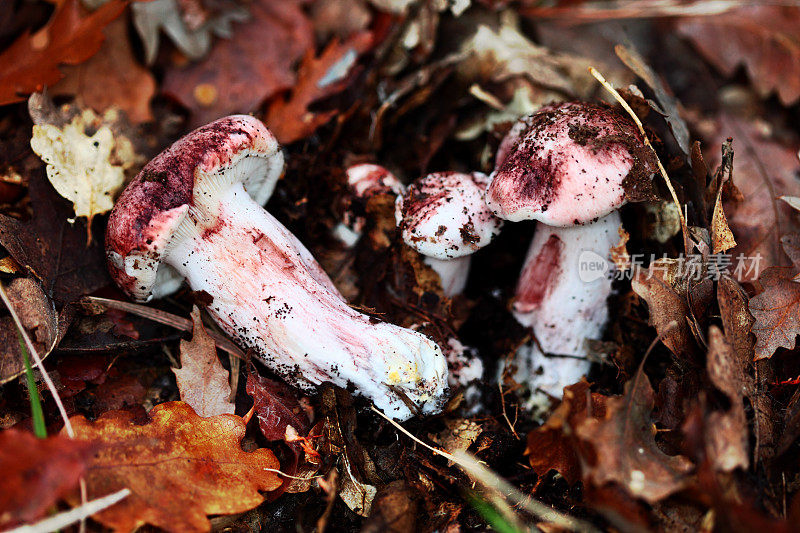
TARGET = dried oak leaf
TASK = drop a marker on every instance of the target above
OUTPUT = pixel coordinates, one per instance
(625, 449)
(765, 170)
(763, 38)
(69, 38)
(202, 380)
(113, 77)
(37, 473)
(243, 71)
(179, 467)
(553, 446)
(289, 117)
(776, 310)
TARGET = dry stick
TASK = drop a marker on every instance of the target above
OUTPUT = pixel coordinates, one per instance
(491, 480)
(168, 319)
(599, 77)
(62, 520)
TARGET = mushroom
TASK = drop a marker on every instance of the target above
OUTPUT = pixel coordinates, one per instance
(365, 180)
(196, 207)
(444, 217)
(570, 166)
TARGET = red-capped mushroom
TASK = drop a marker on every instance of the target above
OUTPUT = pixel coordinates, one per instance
(444, 217)
(570, 166)
(195, 208)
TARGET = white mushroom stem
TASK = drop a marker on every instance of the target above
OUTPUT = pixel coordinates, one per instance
(453, 273)
(562, 295)
(270, 294)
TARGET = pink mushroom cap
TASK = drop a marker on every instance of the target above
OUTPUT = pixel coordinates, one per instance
(569, 164)
(444, 216)
(233, 149)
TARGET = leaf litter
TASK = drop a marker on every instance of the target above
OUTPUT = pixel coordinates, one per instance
(697, 434)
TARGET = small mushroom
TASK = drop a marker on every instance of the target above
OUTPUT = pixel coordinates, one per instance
(196, 207)
(365, 180)
(570, 166)
(444, 217)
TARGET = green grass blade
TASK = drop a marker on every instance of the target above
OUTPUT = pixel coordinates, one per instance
(493, 517)
(39, 429)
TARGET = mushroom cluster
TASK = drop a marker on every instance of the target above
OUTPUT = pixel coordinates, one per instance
(570, 167)
(196, 208)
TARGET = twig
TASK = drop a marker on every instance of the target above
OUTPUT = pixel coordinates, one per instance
(62, 520)
(505, 414)
(168, 319)
(599, 77)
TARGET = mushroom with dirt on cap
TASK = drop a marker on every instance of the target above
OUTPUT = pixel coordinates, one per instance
(443, 216)
(196, 208)
(569, 166)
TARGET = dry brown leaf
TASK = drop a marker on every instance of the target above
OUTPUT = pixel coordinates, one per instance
(765, 169)
(113, 77)
(202, 381)
(776, 310)
(721, 236)
(289, 118)
(766, 39)
(69, 38)
(37, 473)
(553, 445)
(625, 449)
(243, 71)
(728, 436)
(668, 309)
(38, 317)
(179, 467)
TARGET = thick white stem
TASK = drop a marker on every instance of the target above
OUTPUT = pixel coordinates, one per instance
(453, 273)
(562, 295)
(272, 296)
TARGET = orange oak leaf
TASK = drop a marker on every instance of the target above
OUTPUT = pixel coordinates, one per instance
(243, 71)
(202, 380)
(763, 38)
(179, 467)
(36, 473)
(69, 38)
(289, 117)
(777, 311)
(625, 449)
(112, 77)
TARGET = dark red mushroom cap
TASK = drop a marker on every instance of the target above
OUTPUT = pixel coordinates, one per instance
(190, 173)
(569, 164)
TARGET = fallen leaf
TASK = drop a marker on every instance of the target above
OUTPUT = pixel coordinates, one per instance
(458, 435)
(762, 38)
(38, 317)
(506, 52)
(79, 165)
(765, 169)
(776, 310)
(69, 38)
(193, 40)
(729, 437)
(39, 245)
(667, 307)
(179, 467)
(553, 445)
(37, 473)
(625, 449)
(113, 77)
(289, 118)
(243, 71)
(202, 381)
(394, 509)
(276, 407)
